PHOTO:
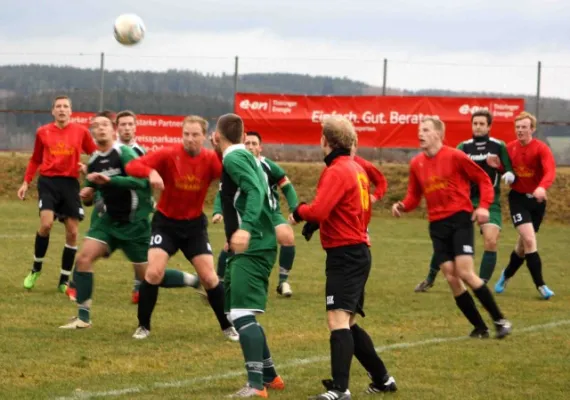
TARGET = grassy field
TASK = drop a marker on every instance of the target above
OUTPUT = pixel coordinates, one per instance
(421, 337)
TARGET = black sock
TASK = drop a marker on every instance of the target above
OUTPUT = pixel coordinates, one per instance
(216, 298)
(486, 298)
(366, 354)
(514, 264)
(342, 350)
(40, 250)
(534, 264)
(148, 295)
(67, 261)
(467, 306)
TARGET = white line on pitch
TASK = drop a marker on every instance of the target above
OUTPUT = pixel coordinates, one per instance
(288, 364)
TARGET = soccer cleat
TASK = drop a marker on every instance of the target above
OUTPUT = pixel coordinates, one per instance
(76, 323)
(389, 385)
(135, 297)
(31, 279)
(141, 333)
(231, 334)
(479, 333)
(275, 384)
(284, 289)
(332, 392)
(545, 292)
(503, 327)
(71, 292)
(248, 391)
(423, 286)
(501, 283)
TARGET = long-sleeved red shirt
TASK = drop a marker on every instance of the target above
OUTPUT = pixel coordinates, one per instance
(375, 175)
(57, 150)
(533, 165)
(186, 178)
(341, 205)
(445, 181)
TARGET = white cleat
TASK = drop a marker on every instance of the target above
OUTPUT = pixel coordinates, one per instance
(76, 323)
(231, 334)
(141, 333)
(248, 391)
(284, 289)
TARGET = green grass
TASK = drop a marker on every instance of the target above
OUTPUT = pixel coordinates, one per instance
(187, 357)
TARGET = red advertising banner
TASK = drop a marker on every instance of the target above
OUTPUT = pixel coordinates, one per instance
(380, 121)
(153, 131)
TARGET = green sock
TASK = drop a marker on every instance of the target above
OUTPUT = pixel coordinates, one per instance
(83, 282)
(252, 342)
(222, 264)
(488, 263)
(269, 372)
(286, 258)
(174, 278)
(433, 270)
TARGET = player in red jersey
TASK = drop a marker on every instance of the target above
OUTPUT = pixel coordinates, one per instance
(57, 150)
(183, 173)
(443, 175)
(342, 209)
(535, 170)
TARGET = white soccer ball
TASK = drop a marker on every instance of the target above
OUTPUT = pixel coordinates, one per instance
(129, 29)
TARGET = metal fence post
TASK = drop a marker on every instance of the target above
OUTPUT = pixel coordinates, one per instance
(102, 83)
(236, 76)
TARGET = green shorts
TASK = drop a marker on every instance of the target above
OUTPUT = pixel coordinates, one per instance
(247, 279)
(133, 237)
(277, 218)
(495, 215)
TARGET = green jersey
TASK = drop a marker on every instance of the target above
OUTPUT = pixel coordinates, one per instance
(479, 149)
(246, 199)
(124, 198)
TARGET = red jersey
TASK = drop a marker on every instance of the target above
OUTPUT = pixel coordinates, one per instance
(375, 176)
(445, 181)
(186, 178)
(57, 150)
(341, 205)
(533, 165)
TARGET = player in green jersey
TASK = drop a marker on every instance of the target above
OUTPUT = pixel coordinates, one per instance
(277, 179)
(247, 206)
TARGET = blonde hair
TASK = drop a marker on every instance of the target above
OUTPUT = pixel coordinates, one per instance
(438, 124)
(339, 132)
(190, 119)
(527, 115)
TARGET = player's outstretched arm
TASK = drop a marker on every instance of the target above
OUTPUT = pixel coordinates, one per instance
(128, 182)
(477, 175)
(413, 195)
(375, 176)
(548, 167)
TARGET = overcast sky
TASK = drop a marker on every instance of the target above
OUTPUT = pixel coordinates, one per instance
(457, 45)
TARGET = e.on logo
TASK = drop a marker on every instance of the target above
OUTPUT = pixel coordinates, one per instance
(253, 105)
(467, 109)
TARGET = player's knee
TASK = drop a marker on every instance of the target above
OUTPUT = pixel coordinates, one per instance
(45, 228)
(209, 280)
(490, 243)
(71, 237)
(286, 236)
(154, 276)
(529, 243)
(83, 261)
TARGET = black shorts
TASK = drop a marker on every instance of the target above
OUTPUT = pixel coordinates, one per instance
(188, 236)
(452, 236)
(525, 209)
(347, 270)
(60, 195)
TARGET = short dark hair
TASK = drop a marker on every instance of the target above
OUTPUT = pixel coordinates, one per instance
(110, 115)
(253, 133)
(483, 113)
(60, 97)
(230, 126)
(125, 113)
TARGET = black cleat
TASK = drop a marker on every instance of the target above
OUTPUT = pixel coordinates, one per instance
(480, 333)
(332, 393)
(389, 385)
(503, 327)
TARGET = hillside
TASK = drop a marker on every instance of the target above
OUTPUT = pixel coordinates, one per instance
(31, 87)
